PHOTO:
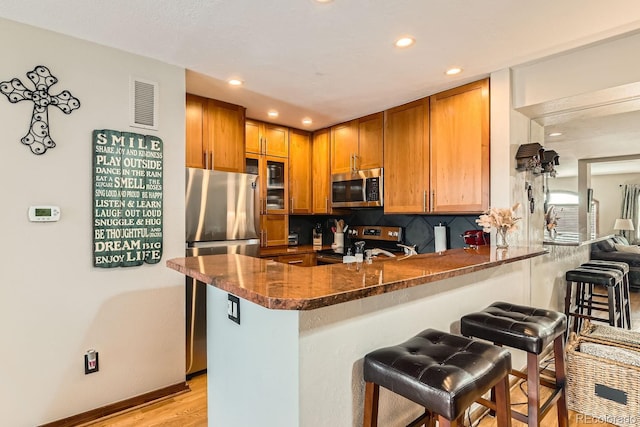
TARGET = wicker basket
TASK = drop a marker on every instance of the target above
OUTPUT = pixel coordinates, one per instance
(601, 389)
(610, 334)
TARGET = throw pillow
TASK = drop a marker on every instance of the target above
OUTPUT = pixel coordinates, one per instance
(606, 245)
(625, 248)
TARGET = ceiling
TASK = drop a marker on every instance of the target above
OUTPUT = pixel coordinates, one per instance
(331, 61)
(602, 127)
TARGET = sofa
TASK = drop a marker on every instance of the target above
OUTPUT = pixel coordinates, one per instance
(617, 248)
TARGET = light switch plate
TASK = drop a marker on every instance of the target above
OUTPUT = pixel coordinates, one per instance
(233, 308)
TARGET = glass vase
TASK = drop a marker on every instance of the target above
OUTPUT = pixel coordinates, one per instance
(501, 238)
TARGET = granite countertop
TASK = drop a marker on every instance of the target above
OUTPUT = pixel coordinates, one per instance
(573, 239)
(281, 286)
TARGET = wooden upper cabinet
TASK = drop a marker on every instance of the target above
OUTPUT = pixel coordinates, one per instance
(344, 146)
(196, 153)
(252, 134)
(406, 158)
(300, 175)
(224, 125)
(357, 144)
(370, 146)
(215, 134)
(267, 139)
(460, 149)
(276, 140)
(321, 172)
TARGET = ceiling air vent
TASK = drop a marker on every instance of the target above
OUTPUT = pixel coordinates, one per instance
(144, 103)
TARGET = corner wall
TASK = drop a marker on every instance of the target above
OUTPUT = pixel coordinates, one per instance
(54, 305)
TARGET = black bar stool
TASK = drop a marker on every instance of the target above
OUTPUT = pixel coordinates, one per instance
(442, 372)
(532, 330)
(582, 305)
(623, 267)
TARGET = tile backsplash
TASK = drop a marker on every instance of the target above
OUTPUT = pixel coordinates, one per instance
(418, 228)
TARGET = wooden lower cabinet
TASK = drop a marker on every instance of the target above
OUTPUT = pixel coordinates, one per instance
(301, 260)
(274, 230)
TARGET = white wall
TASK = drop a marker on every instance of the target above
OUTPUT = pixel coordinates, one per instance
(54, 305)
(602, 65)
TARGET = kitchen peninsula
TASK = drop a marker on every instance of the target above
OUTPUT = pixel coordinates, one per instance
(295, 358)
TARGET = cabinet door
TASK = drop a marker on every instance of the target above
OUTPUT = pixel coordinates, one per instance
(321, 172)
(195, 149)
(460, 149)
(276, 140)
(370, 147)
(225, 128)
(344, 146)
(276, 178)
(406, 158)
(299, 172)
(274, 230)
(252, 137)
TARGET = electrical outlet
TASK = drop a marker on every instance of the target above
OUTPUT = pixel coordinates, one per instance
(91, 362)
(233, 308)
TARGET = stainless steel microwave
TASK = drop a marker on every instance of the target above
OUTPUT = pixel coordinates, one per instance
(362, 188)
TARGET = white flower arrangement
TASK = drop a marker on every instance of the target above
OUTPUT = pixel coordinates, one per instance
(499, 218)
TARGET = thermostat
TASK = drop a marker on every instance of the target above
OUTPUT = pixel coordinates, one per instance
(44, 213)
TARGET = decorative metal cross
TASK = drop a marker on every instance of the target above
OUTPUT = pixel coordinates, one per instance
(38, 137)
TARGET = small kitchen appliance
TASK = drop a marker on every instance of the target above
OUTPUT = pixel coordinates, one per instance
(293, 239)
(475, 238)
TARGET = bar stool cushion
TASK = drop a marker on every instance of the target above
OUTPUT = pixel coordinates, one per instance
(444, 373)
(518, 326)
(597, 277)
(618, 265)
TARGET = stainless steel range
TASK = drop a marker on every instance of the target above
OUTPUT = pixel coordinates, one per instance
(381, 241)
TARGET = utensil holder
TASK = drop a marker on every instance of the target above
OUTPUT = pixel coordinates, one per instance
(338, 240)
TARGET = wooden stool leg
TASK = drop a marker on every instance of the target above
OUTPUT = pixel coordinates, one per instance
(371, 397)
(533, 390)
(503, 402)
(612, 304)
(627, 302)
(443, 422)
(619, 305)
(558, 354)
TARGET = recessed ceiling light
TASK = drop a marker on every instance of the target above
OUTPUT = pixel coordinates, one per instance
(235, 82)
(453, 71)
(307, 121)
(324, 1)
(405, 41)
(555, 134)
(273, 114)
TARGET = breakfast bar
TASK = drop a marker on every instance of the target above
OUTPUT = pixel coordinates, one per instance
(295, 356)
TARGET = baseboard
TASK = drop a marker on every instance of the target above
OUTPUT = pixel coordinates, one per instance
(123, 405)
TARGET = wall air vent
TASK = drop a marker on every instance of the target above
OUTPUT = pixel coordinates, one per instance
(144, 104)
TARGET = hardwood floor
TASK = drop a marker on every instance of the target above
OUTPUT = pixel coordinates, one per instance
(190, 409)
(185, 410)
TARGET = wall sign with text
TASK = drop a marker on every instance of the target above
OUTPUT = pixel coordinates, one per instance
(127, 199)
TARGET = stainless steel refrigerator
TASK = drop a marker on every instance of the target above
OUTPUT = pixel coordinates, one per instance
(221, 218)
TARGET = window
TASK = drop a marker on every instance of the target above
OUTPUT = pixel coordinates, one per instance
(566, 203)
